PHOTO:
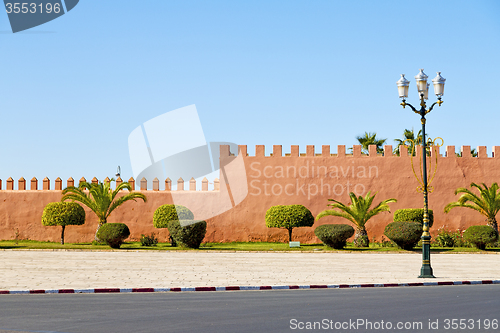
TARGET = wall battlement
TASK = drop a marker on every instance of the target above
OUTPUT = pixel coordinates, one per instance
(58, 184)
(260, 151)
(277, 151)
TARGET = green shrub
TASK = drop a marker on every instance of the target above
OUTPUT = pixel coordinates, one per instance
(289, 217)
(113, 234)
(166, 213)
(188, 233)
(150, 240)
(63, 214)
(334, 235)
(480, 236)
(446, 238)
(405, 234)
(413, 215)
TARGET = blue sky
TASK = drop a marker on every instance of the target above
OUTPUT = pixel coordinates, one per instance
(259, 72)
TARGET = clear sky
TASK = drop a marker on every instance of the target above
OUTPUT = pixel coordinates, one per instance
(259, 72)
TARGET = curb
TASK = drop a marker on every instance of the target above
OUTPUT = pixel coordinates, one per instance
(243, 288)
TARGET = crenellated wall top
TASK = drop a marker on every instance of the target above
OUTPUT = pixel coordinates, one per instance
(260, 152)
(356, 151)
(143, 183)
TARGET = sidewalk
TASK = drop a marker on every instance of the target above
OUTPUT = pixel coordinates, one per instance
(47, 270)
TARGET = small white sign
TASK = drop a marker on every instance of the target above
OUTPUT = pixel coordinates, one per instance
(294, 244)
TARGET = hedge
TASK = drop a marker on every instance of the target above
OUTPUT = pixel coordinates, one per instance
(413, 215)
(334, 235)
(480, 235)
(188, 233)
(166, 213)
(113, 234)
(405, 234)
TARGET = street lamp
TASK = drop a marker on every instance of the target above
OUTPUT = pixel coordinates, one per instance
(423, 91)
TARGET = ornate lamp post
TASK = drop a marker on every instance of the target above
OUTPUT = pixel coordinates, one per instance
(423, 91)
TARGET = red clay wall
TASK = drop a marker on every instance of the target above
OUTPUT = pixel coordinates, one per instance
(306, 178)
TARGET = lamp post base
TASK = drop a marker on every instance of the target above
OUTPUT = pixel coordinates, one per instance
(426, 270)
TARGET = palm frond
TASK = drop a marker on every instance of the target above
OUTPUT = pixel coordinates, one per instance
(125, 198)
(335, 213)
(122, 186)
(381, 207)
(370, 139)
(487, 202)
(100, 197)
(358, 212)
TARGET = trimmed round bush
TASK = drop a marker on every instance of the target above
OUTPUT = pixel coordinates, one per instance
(413, 215)
(289, 217)
(63, 214)
(334, 235)
(113, 234)
(405, 234)
(166, 213)
(480, 236)
(188, 233)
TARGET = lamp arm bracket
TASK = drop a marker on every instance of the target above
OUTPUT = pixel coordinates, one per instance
(411, 106)
(439, 102)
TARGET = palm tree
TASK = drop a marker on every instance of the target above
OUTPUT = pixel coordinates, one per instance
(100, 198)
(487, 203)
(409, 135)
(358, 212)
(370, 139)
(473, 153)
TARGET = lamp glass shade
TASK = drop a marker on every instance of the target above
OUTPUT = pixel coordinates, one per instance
(403, 84)
(421, 79)
(426, 92)
(438, 82)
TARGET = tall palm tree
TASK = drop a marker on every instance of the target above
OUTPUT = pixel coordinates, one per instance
(487, 202)
(100, 198)
(358, 212)
(473, 153)
(370, 139)
(409, 135)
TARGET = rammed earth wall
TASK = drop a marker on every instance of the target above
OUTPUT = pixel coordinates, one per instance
(236, 207)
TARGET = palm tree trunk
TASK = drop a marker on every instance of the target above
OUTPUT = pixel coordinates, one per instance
(101, 222)
(62, 235)
(95, 236)
(361, 238)
(492, 222)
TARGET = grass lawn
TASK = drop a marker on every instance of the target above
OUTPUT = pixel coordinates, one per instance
(236, 246)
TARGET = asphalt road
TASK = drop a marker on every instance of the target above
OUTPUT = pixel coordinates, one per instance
(356, 310)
